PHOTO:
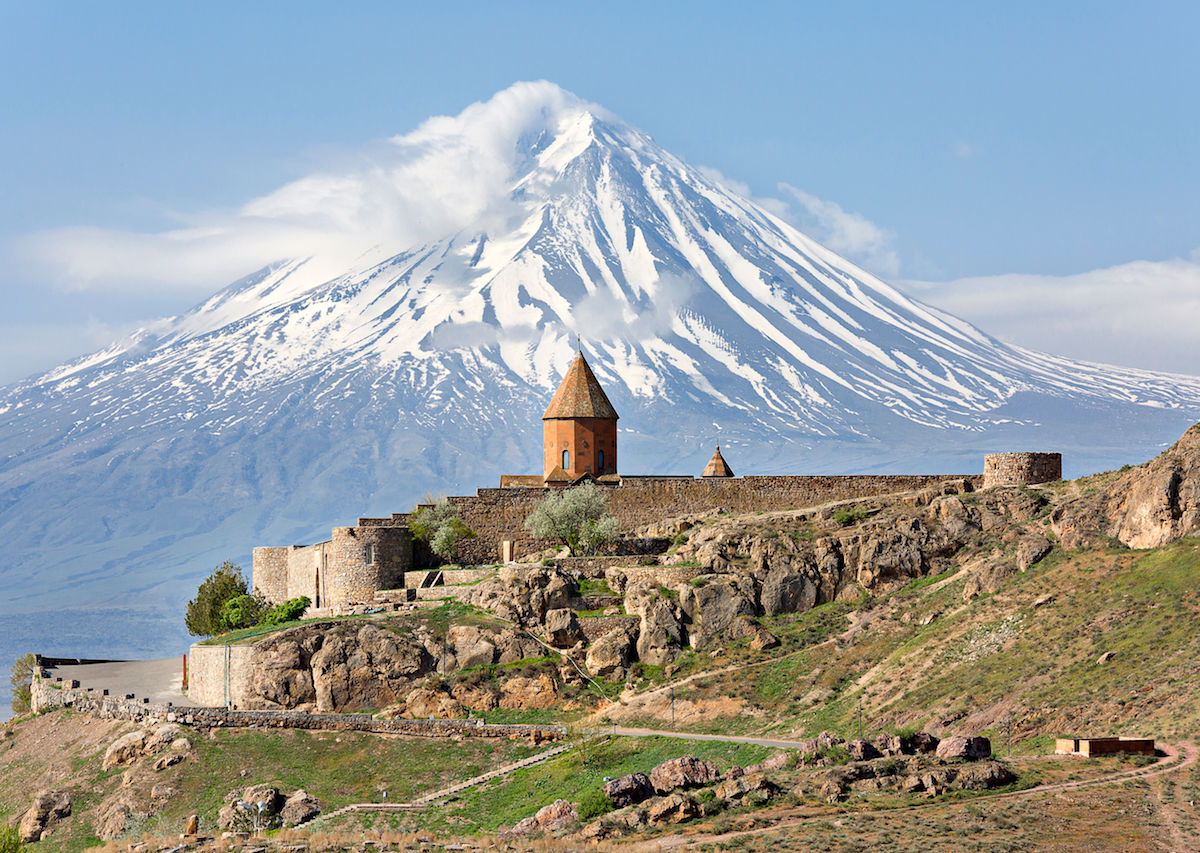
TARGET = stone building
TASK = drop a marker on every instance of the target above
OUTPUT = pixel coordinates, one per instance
(579, 430)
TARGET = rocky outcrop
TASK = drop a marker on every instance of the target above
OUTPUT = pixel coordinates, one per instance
(745, 785)
(659, 633)
(712, 603)
(609, 655)
(684, 772)
(523, 693)
(673, 809)
(524, 594)
(1147, 506)
(558, 815)
(128, 748)
(629, 790)
(48, 808)
(562, 628)
(300, 807)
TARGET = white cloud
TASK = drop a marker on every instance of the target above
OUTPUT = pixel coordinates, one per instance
(446, 174)
(848, 234)
(1139, 314)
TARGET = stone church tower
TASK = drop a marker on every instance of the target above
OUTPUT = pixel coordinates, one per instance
(580, 427)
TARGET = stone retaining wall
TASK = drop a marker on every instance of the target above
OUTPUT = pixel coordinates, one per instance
(45, 698)
(219, 676)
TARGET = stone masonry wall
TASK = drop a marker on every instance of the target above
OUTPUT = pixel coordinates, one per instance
(269, 571)
(498, 514)
(46, 698)
(1021, 469)
(219, 675)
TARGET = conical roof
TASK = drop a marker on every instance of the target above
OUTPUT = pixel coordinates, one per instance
(580, 395)
(717, 466)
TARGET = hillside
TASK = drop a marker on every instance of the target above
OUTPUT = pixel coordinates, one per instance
(980, 634)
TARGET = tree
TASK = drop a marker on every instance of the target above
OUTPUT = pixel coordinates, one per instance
(439, 525)
(22, 679)
(242, 611)
(576, 518)
(203, 618)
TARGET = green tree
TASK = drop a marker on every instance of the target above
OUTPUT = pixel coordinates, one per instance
(242, 611)
(577, 518)
(439, 525)
(21, 679)
(203, 617)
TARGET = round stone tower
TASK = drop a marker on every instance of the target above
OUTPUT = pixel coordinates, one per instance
(579, 427)
(1021, 469)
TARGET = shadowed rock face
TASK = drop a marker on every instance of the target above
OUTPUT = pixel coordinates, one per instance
(1147, 506)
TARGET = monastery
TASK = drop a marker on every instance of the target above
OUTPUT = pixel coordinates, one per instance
(579, 443)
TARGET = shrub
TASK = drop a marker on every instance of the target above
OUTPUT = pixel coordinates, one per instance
(241, 612)
(10, 838)
(575, 518)
(203, 618)
(290, 610)
(440, 526)
(594, 803)
(846, 517)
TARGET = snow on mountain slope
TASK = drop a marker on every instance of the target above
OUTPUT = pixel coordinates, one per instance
(350, 382)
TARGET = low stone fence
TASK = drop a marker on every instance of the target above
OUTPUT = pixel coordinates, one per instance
(46, 698)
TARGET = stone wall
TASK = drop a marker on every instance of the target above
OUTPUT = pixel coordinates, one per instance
(269, 572)
(219, 676)
(1021, 469)
(499, 514)
(46, 698)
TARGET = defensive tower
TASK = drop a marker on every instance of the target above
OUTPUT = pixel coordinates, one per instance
(579, 427)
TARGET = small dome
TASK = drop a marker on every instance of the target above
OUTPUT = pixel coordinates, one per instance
(717, 466)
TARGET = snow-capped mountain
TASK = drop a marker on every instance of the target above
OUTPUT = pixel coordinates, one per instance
(321, 388)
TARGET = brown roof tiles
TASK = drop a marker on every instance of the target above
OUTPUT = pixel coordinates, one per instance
(580, 395)
(717, 466)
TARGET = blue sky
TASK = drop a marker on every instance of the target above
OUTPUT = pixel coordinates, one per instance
(1001, 159)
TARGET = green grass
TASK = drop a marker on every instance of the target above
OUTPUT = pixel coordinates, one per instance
(571, 776)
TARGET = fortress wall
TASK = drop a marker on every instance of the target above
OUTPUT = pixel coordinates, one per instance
(306, 569)
(355, 573)
(269, 572)
(1021, 469)
(498, 514)
(219, 674)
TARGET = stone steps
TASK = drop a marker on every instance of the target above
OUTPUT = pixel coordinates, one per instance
(435, 797)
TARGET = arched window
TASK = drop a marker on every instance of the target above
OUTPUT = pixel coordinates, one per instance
(566, 460)
(601, 462)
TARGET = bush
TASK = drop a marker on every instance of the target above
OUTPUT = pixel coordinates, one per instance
(575, 518)
(10, 838)
(594, 803)
(21, 678)
(441, 527)
(289, 611)
(241, 612)
(846, 517)
(203, 618)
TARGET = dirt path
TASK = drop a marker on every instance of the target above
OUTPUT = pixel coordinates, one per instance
(1175, 758)
(1174, 809)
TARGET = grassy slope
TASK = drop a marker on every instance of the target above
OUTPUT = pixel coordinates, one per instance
(977, 664)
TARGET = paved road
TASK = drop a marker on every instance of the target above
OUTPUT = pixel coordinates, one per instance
(158, 680)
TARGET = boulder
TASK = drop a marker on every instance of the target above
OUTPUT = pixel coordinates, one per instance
(786, 590)
(299, 808)
(192, 827)
(124, 750)
(659, 633)
(921, 743)
(673, 809)
(959, 748)
(982, 776)
(610, 653)
(1031, 550)
(861, 750)
(558, 815)
(713, 602)
(684, 772)
(477, 698)
(162, 793)
(472, 647)
(268, 795)
(48, 807)
(736, 789)
(423, 703)
(162, 737)
(763, 639)
(987, 575)
(562, 628)
(629, 790)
